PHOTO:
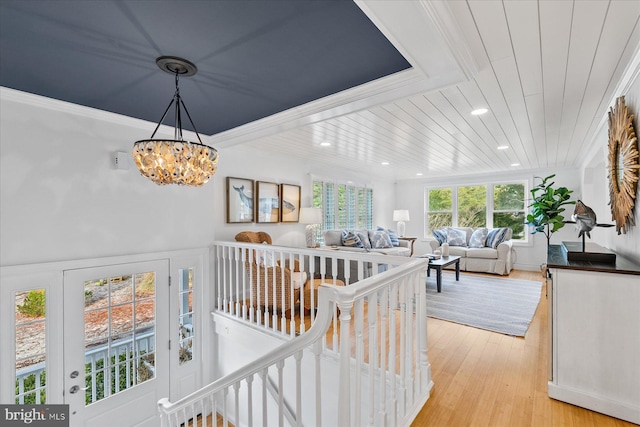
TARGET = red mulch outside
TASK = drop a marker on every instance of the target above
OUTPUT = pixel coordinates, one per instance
(30, 338)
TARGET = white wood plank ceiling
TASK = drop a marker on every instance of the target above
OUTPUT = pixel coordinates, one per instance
(545, 70)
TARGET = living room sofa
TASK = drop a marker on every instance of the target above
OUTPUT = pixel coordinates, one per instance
(333, 238)
(485, 259)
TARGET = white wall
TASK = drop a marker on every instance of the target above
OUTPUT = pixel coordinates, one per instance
(61, 197)
(595, 185)
(410, 195)
(242, 162)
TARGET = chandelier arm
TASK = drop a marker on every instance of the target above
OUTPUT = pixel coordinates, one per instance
(192, 124)
(163, 116)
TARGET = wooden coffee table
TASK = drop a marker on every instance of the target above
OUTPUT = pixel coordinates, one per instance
(439, 264)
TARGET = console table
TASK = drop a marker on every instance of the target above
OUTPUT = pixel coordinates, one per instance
(594, 311)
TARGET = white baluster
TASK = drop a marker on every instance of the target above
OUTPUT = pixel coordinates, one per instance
(317, 351)
(298, 359)
(393, 303)
(359, 330)
(384, 314)
(344, 393)
(372, 315)
(250, 401)
(263, 377)
(236, 393)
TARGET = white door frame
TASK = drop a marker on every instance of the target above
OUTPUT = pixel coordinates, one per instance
(50, 277)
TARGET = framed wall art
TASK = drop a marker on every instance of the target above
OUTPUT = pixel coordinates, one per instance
(239, 200)
(268, 194)
(290, 206)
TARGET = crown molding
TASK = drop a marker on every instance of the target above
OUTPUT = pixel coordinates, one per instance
(39, 101)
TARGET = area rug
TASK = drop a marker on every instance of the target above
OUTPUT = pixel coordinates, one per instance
(496, 304)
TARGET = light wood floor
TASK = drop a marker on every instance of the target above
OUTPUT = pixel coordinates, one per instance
(488, 379)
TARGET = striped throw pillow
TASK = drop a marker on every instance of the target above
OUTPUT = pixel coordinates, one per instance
(351, 239)
(496, 236)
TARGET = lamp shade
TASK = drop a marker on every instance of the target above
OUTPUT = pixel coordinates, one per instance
(310, 216)
(401, 215)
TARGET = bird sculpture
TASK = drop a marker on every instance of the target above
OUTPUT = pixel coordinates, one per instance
(585, 219)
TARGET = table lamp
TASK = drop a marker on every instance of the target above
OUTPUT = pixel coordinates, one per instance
(312, 217)
(401, 216)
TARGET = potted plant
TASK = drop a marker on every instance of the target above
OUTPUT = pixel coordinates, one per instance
(546, 207)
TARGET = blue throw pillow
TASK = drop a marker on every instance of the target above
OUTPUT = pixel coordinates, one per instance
(393, 235)
(456, 237)
(364, 238)
(440, 235)
(496, 236)
(478, 238)
(351, 239)
(380, 239)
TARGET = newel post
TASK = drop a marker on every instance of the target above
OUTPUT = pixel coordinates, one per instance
(344, 393)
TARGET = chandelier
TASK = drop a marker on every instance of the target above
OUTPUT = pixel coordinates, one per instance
(175, 161)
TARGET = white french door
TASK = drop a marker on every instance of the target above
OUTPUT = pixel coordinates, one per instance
(116, 343)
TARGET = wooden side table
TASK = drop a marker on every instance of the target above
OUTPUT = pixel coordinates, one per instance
(410, 239)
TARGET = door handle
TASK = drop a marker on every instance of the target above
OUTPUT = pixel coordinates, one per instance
(75, 389)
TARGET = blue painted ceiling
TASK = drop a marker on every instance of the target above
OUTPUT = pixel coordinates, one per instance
(254, 58)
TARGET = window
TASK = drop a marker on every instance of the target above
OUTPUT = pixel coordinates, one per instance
(509, 209)
(343, 205)
(491, 206)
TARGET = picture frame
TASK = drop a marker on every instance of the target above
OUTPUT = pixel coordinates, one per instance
(290, 205)
(240, 207)
(268, 206)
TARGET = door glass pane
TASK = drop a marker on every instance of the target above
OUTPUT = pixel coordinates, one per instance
(185, 319)
(119, 329)
(30, 347)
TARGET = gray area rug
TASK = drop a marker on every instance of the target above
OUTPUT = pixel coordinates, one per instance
(496, 304)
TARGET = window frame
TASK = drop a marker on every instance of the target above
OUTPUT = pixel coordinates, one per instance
(356, 211)
(490, 206)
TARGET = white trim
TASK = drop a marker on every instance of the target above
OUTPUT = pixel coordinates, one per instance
(39, 101)
(595, 403)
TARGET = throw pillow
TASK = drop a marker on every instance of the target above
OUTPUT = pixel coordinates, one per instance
(351, 239)
(478, 238)
(456, 237)
(364, 238)
(440, 235)
(496, 236)
(393, 235)
(380, 239)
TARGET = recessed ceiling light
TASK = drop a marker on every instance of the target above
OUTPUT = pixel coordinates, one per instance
(419, 174)
(325, 144)
(384, 163)
(502, 147)
(479, 111)
(515, 164)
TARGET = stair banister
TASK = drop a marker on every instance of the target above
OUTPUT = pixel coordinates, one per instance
(315, 333)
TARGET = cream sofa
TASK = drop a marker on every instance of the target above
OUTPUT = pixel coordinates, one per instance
(483, 260)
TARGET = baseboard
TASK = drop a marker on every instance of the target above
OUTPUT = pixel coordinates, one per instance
(526, 267)
(595, 403)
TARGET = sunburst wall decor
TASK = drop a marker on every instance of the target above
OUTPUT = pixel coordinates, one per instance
(623, 165)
